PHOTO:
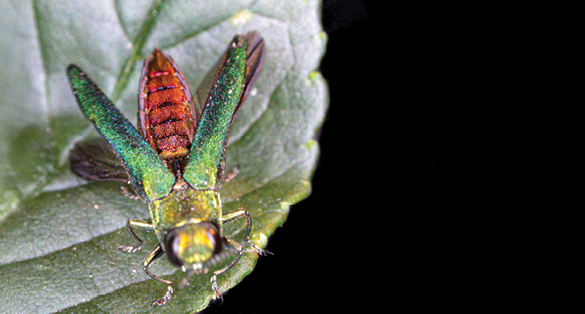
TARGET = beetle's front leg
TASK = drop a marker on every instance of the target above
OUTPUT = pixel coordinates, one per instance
(148, 261)
(240, 250)
(244, 213)
(227, 217)
(136, 223)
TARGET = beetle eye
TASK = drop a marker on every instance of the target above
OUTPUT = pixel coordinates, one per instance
(214, 233)
(172, 248)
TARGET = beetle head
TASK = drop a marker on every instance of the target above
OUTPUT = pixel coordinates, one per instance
(193, 246)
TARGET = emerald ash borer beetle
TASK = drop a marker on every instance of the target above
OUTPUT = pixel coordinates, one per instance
(175, 160)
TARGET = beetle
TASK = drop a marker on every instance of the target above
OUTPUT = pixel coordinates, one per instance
(175, 159)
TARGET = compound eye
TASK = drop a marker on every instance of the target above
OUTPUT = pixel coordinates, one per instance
(214, 233)
(172, 245)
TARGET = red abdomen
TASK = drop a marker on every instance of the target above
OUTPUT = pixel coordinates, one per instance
(167, 116)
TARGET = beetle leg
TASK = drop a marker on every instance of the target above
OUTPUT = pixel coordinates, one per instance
(240, 250)
(232, 174)
(136, 223)
(129, 194)
(227, 217)
(148, 261)
(236, 246)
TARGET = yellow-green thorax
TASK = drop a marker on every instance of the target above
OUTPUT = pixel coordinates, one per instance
(185, 205)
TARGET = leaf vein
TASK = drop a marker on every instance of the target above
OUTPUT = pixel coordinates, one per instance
(137, 46)
(43, 59)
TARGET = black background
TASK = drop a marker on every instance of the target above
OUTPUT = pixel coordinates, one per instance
(416, 197)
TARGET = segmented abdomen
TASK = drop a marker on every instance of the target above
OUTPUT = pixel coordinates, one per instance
(167, 117)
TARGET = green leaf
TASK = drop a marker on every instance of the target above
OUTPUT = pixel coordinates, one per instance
(59, 233)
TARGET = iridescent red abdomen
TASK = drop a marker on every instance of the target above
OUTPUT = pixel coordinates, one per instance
(166, 116)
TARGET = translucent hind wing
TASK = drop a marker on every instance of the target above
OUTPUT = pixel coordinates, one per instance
(94, 160)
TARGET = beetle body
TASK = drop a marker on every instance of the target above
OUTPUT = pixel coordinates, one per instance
(175, 161)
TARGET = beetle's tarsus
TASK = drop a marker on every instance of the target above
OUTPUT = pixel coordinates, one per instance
(165, 299)
(258, 250)
(216, 288)
(130, 249)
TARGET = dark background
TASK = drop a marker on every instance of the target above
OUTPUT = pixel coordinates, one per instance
(416, 197)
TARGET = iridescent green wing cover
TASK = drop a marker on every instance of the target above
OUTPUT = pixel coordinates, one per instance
(232, 83)
(148, 176)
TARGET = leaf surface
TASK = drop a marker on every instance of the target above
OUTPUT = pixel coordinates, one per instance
(59, 233)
